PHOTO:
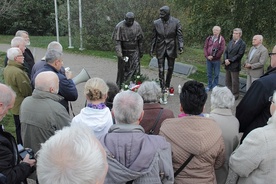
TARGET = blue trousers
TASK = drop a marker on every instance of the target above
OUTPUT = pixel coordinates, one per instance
(213, 69)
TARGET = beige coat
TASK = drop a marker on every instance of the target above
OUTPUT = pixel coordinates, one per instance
(196, 135)
(257, 61)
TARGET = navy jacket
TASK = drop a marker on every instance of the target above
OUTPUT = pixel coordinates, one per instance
(67, 88)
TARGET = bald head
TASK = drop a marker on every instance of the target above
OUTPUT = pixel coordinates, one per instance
(7, 99)
(47, 81)
(257, 40)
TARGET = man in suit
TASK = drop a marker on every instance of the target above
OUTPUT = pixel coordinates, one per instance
(167, 36)
(255, 61)
(254, 109)
(232, 61)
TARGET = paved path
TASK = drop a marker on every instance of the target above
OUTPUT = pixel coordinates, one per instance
(107, 70)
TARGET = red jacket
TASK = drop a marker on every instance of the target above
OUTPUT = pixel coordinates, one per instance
(209, 45)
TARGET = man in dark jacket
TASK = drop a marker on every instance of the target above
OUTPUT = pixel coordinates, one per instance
(67, 88)
(167, 37)
(232, 60)
(15, 170)
(254, 109)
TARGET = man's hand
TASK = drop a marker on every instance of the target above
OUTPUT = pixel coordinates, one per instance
(180, 50)
(68, 74)
(227, 62)
(247, 65)
(29, 161)
(210, 58)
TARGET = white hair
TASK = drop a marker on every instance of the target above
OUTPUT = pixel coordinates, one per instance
(127, 107)
(20, 32)
(52, 55)
(54, 45)
(150, 91)
(7, 94)
(16, 41)
(72, 155)
(13, 52)
(222, 98)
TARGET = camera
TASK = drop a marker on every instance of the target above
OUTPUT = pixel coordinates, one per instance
(24, 151)
(214, 52)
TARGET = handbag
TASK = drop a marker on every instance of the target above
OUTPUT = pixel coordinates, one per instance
(183, 165)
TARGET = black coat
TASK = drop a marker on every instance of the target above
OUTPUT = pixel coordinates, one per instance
(10, 165)
(167, 41)
(253, 111)
(234, 54)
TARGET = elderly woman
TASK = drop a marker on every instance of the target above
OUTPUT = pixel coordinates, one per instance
(96, 114)
(222, 100)
(254, 160)
(154, 114)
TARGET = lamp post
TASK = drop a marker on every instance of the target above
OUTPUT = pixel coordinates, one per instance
(56, 15)
(69, 25)
(80, 20)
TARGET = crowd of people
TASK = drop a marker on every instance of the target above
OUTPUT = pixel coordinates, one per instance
(128, 137)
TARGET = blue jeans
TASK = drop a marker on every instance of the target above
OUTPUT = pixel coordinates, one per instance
(213, 66)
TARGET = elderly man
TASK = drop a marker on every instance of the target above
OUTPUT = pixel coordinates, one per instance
(213, 50)
(253, 110)
(132, 155)
(72, 155)
(16, 77)
(40, 64)
(67, 88)
(167, 37)
(232, 61)
(15, 170)
(255, 60)
(17, 42)
(41, 114)
(128, 37)
(29, 58)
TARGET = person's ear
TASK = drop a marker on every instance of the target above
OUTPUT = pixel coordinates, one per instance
(141, 116)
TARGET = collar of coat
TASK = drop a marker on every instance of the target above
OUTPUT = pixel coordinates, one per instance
(126, 128)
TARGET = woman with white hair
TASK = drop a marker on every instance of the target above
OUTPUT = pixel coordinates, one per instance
(96, 114)
(254, 159)
(154, 114)
(222, 100)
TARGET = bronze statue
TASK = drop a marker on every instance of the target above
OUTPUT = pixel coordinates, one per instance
(128, 37)
(167, 37)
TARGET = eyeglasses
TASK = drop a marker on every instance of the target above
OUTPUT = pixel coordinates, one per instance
(270, 54)
(271, 99)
